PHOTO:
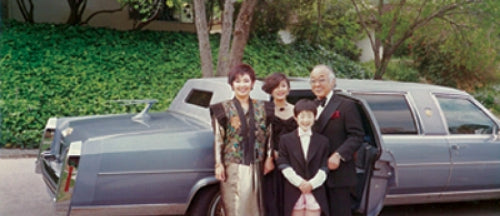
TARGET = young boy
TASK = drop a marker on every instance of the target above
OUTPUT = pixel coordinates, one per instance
(303, 161)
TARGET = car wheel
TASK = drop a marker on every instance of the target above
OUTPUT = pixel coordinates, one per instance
(207, 203)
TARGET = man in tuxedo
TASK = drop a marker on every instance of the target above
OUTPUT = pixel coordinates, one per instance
(338, 119)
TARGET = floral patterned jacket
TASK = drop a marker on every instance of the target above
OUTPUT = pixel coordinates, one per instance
(229, 139)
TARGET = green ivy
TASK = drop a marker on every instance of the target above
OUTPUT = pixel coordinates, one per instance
(60, 70)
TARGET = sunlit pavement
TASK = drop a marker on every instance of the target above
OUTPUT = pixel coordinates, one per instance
(22, 191)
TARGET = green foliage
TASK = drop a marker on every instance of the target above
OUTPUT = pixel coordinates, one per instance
(297, 59)
(337, 29)
(60, 70)
(50, 70)
(462, 49)
(271, 16)
(396, 21)
(145, 9)
(464, 61)
(489, 96)
(400, 69)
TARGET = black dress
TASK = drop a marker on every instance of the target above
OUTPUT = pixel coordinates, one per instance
(273, 182)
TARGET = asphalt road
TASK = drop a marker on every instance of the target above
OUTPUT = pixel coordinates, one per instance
(22, 192)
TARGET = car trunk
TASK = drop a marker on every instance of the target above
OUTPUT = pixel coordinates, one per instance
(62, 143)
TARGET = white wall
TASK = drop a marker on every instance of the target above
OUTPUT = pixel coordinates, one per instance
(366, 49)
(57, 11)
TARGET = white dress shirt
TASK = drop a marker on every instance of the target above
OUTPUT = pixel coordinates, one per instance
(291, 175)
(321, 108)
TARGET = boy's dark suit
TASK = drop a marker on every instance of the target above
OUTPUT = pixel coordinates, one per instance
(291, 154)
(340, 121)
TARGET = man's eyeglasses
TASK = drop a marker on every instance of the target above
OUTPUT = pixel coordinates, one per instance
(318, 81)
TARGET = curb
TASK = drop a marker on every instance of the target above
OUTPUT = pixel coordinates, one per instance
(18, 153)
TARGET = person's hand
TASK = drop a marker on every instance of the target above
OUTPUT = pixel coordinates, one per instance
(276, 154)
(334, 161)
(268, 165)
(220, 172)
(305, 187)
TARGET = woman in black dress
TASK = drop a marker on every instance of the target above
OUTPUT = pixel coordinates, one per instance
(278, 86)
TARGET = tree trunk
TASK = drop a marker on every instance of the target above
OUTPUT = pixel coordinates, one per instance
(242, 31)
(203, 38)
(380, 70)
(76, 8)
(27, 12)
(225, 39)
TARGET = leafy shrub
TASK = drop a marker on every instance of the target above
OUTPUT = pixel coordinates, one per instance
(60, 70)
(397, 69)
(266, 55)
(489, 97)
(402, 70)
(465, 64)
(336, 30)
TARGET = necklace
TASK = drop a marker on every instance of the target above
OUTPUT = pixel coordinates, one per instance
(281, 109)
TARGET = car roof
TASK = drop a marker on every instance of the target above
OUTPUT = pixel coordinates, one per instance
(357, 85)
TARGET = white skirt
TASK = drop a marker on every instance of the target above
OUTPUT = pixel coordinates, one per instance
(241, 192)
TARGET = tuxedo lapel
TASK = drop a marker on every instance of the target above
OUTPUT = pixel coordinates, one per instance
(311, 152)
(325, 115)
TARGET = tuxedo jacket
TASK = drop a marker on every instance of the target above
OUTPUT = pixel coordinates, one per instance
(340, 121)
(292, 155)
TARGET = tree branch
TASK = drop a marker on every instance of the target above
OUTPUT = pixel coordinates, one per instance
(31, 11)
(22, 8)
(100, 12)
(418, 23)
(394, 22)
(363, 24)
(152, 17)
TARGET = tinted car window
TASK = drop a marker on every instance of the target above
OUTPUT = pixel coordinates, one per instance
(392, 112)
(296, 95)
(199, 97)
(463, 117)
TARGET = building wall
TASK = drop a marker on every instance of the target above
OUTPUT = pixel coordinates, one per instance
(366, 49)
(57, 11)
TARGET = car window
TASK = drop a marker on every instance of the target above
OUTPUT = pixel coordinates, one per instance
(199, 97)
(392, 112)
(463, 117)
(296, 95)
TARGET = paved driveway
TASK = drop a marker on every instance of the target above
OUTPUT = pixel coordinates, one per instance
(22, 191)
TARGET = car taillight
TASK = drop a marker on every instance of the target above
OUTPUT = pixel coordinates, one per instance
(69, 171)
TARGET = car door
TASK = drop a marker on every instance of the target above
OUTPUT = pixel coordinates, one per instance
(421, 161)
(374, 165)
(474, 144)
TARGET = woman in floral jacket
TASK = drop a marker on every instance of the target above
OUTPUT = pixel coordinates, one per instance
(241, 129)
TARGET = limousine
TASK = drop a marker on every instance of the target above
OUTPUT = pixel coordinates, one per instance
(423, 144)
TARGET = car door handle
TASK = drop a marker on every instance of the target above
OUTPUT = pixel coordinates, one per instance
(455, 147)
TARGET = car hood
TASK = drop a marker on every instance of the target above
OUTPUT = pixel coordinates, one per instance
(87, 127)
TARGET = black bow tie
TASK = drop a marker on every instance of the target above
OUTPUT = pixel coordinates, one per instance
(320, 102)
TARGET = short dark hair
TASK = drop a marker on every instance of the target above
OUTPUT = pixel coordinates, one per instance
(272, 81)
(240, 70)
(304, 105)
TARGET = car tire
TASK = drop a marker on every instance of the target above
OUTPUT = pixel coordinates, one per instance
(207, 202)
